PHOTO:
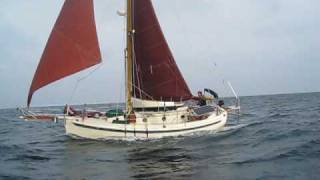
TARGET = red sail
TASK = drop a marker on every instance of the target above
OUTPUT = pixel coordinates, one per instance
(72, 46)
(156, 75)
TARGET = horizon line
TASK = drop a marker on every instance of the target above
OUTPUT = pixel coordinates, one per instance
(100, 103)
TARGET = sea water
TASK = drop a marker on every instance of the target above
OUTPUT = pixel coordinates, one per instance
(275, 137)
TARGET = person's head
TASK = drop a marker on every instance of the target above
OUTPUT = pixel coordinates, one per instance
(199, 93)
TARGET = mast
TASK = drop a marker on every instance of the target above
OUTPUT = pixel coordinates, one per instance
(129, 73)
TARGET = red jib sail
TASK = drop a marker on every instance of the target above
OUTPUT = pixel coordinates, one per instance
(72, 46)
(156, 75)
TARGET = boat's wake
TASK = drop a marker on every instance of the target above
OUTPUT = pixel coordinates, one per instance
(233, 127)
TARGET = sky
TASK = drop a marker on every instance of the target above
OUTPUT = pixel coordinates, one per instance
(260, 46)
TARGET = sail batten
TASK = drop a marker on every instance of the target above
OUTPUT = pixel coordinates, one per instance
(156, 72)
(72, 46)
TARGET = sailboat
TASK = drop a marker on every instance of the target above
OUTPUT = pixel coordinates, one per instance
(159, 102)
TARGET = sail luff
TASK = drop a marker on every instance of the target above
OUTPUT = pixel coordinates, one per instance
(72, 46)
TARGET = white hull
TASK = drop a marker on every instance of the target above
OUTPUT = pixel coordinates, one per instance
(154, 127)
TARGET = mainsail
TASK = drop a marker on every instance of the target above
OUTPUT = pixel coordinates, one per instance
(156, 75)
(73, 45)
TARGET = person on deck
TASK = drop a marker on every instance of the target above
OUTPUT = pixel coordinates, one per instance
(69, 111)
(202, 99)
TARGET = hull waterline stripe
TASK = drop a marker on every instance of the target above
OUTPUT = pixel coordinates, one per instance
(140, 132)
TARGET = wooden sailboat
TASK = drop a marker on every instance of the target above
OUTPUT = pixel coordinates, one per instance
(157, 96)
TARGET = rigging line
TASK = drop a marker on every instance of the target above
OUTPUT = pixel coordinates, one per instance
(218, 76)
(135, 73)
(124, 40)
(81, 79)
(142, 91)
(134, 69)
(180, 21)
(120, 94)
(218, 72)
(125, 64)
(137, 77)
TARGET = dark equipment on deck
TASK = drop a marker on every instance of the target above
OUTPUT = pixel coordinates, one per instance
(221, 103)
(214, 94)
(204, 110)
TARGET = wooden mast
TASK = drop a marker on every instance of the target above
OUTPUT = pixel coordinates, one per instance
(130, 32)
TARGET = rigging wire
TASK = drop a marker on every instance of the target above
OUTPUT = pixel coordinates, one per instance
(125, 64)
(148, 95)
(135, 75)
(81, 79)
(188, 42)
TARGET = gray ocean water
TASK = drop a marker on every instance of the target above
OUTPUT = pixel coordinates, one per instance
(276, 137)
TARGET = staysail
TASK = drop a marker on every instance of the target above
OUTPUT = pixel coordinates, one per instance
(156, 75)
(73, 45)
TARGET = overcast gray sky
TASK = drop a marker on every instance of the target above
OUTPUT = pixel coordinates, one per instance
(261, 46)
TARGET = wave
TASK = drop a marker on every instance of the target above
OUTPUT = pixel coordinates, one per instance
(26, 157)
(279, 116)
(234, 127)
(266, 136)
(298, 153)
(105, 160)
(255, 123)
(6, 148)
(247, 115)
(4, 132)
(14, 177)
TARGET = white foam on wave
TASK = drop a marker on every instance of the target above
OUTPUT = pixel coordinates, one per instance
(233, 127)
